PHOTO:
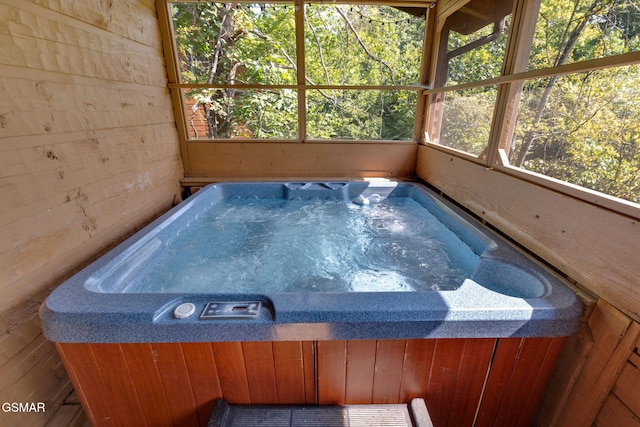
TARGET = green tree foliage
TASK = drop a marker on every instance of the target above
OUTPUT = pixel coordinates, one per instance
(466, 121)
(581, 128)
(222, 43)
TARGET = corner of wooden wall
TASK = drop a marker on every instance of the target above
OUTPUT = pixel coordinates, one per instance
(589, 368)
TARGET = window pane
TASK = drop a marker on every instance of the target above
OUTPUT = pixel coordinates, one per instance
(479, 55)
(466, 119)
(246, 114)
(362, 45)
(226, 43)
(583, 129)
(578, 30)
(360, 114)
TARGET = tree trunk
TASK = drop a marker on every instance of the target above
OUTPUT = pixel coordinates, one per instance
(544, 99)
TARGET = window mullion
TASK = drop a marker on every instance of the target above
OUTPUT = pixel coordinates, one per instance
(301, 72)
(508, 98)
(425, 62)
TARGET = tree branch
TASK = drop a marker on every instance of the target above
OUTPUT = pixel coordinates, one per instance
(294, 67)
(315, 36)
(364, 47)
(571, 41)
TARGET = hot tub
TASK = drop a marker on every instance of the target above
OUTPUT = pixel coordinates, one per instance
(336, 260)
(312, 293)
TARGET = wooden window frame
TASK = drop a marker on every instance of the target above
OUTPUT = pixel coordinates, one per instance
(175, 86)
(510, 84)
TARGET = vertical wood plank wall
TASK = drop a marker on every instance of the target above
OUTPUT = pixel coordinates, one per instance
(597, 379)
(88, 154)
(494, 382)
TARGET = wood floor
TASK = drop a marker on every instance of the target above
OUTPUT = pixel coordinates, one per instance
(70, 414)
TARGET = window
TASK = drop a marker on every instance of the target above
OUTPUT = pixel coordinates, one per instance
(583, 127)
(473, 47)
(466, 119)
(564, 104)
(296, 71)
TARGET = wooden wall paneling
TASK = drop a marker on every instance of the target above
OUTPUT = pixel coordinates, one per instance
(388, 370)
(203, 374)
(141, 360)
(39, 378)
(615, 336)
(361, 370)
(263, 160)
(261, 373)
(627, 387)
(19, 327)
(331, 374)
(310, 374)
(114, 372)
(38, 90)
(71, 226)
(531, 371)
(176, 383)
(57, 257)
(133, 20)
(289, 363)
(505, 353)
(74, 214)
(20, 357)
(92, 390)
(81, 108)
(475, 364)
(622, 406)
(232, 372)
(61, 203)
(416, 369)
(570, 363)
(68, 160)
(442, 381)
(88, 153)
(85, 158)
(614, 413)
(36, 27)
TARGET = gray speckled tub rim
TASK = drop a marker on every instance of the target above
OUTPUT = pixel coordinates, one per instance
(74, 314)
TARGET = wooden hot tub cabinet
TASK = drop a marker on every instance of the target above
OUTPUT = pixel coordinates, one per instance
(496, 382)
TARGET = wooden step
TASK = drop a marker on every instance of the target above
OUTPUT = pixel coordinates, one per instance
(414, 414)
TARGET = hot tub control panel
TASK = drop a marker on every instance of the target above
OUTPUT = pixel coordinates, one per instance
(231, 310)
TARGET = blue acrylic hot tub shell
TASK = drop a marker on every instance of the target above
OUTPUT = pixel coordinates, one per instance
(517, 296)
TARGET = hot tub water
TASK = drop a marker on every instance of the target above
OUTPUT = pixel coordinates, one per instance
(268, 245)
